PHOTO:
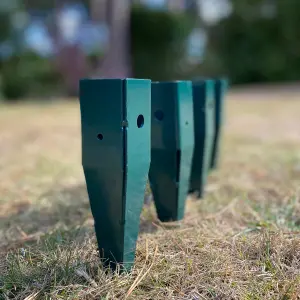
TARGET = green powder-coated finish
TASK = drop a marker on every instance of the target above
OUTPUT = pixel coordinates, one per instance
(172, 138)
(220, 91)
(115, 118)
(203, 99)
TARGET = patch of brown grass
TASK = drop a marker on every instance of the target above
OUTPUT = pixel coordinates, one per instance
(241, 242)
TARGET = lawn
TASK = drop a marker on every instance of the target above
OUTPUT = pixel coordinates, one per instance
(241, 242)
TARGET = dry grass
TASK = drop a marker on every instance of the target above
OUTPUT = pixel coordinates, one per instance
(241, 242)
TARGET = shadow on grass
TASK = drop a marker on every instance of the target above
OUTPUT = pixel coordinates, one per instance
(58, 208)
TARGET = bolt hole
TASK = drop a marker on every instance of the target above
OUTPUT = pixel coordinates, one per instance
(100, 136)
(140, 121)
(159, 115)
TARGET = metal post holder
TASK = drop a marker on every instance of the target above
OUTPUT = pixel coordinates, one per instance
(220, 91)
(203, 104)
(172, 138)
(115, 126)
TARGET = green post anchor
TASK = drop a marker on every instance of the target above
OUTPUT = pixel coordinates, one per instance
(203, 99)
(115, 118)
(220, 90)
(172, 139)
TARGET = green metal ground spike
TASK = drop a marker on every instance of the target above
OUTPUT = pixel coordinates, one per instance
(203, 100)
(220, 90)
(172, 138)
(115, 126)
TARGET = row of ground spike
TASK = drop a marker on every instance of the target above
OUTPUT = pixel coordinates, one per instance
(134, 130)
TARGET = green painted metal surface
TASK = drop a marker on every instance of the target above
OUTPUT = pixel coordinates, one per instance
(203, 100)
(115, 125)
(221, 86)
(172, 139)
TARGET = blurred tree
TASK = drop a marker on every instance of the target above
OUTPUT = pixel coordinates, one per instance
(288, 23)
(193, 7)
(258, 41)
(116, 62)
(98, 9)
(47, 5)
(69, 58)
(176, 5)
(159, 43)
(13, 19)
(5, 28)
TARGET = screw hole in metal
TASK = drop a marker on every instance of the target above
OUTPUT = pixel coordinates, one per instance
(100, 137)
(159, 115)
(140, 121)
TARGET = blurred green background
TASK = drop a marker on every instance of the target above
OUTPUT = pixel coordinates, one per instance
(47, 46)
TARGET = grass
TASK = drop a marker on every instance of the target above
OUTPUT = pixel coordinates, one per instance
(241, 242)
